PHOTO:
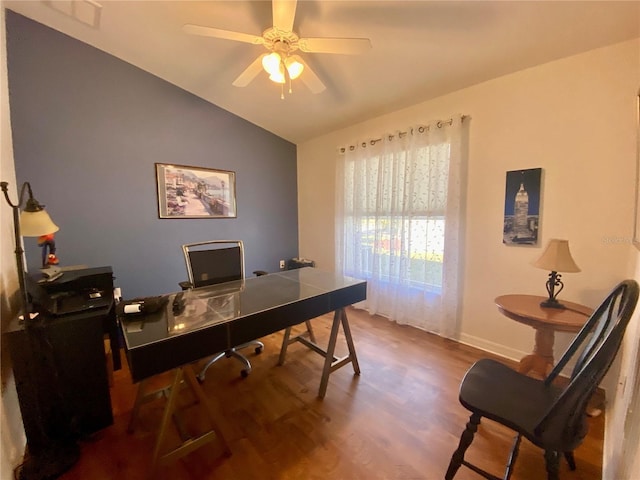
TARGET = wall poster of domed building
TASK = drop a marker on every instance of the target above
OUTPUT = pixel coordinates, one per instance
(522, 207)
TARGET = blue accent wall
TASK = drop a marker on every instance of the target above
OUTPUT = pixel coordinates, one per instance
(87, 131)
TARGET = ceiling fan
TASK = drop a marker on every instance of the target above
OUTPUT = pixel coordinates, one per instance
(281, 42)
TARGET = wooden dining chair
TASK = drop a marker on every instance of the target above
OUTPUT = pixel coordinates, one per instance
(550, 416)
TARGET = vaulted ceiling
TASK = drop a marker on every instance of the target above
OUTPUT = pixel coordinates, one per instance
(420, 49)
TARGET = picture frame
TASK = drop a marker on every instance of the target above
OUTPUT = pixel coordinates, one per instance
(195, 192)
(522, 202)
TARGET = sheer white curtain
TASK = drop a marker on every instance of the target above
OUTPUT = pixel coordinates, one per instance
(398, 209)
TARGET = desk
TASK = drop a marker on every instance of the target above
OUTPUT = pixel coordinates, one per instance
(253, 308)
(61, 377)
(81, 281)
(526, 309)
(219, 317)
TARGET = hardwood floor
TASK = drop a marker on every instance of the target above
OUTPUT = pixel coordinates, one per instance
(399, 420)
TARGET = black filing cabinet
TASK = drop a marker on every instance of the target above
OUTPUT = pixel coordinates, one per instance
(60, 366)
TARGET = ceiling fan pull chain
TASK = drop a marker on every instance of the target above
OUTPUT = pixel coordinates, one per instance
(285, 71)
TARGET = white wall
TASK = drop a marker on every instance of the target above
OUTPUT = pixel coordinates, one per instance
(575, 118)
(12, 438)
(622, 434)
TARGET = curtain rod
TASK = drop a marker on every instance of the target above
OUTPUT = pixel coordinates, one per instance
(421, 129)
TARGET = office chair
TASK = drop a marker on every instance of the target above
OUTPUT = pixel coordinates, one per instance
(552, 417)
(210, 263)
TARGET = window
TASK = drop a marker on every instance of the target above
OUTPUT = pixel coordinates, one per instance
(394, 218)
(394, 213)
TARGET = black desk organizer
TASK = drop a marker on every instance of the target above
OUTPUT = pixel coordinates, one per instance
(294, 263)
(82, 282)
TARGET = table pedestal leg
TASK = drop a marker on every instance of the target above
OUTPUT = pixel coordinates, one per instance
(540, 362)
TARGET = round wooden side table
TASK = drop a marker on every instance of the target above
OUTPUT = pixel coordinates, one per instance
(546, 321)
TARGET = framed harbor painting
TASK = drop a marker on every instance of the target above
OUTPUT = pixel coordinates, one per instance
(522, 207)
(195, 192)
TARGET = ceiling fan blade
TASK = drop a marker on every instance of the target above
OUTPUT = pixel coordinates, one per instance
(284, 12)
(310, 79)
(225, 34)
(250, 73)
(345, 46)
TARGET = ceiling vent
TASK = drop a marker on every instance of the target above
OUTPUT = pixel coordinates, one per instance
(85, 11)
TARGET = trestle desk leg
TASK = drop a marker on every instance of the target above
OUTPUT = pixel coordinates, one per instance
(287, 340)
(352, 348)
(190, 444)
(204, 401)
(312, 335)
(140, 398)
(332, 363)
(166, 417)
(285, 344)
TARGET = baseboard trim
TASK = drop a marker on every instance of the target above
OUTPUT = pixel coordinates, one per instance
(510, 353)
(492, 347)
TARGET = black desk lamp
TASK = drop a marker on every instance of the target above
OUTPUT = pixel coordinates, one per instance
(556, 258)
(34, 221)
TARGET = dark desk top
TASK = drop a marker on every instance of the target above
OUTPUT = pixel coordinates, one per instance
(72, 275)
(219, 317)
(71, 281)
(43, 320)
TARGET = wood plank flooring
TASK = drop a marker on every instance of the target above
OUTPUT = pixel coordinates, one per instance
(399, 420)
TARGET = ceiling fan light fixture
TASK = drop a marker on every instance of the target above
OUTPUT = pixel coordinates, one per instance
(271, 63)
(280, 41)
(294, 67)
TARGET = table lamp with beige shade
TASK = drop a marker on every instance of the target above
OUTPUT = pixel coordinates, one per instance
(556, 258)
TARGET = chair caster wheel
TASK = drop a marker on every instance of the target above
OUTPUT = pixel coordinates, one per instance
(244, 373)
(258, 350)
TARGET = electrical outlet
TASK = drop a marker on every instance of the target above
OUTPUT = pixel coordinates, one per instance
(281, 264)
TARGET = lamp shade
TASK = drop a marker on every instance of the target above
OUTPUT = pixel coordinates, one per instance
(271, 63)
(277, 77)
(294, 66)
(36, 224)
(557, 257)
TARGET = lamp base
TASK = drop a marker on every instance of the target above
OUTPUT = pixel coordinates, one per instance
(50, 463)
(552, 303)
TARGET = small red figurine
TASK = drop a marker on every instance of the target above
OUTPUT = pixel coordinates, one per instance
(48, 244)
